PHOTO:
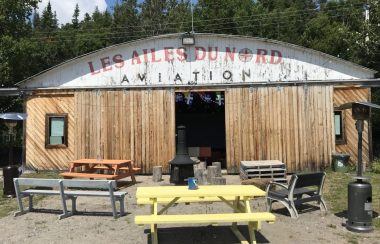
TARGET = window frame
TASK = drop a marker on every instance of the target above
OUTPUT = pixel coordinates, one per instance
(341, 140)
(47, 130)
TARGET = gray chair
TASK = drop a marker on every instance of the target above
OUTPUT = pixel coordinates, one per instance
(306, 187)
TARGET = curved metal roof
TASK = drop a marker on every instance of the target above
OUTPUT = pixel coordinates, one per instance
(225, 36)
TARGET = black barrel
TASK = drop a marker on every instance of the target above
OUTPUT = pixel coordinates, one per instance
(9, 173)
(359, 207)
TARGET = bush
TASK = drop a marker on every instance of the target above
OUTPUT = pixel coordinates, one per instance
(376, 166)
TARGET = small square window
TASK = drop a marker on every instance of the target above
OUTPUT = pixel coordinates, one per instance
(339, 127)
(56, 131)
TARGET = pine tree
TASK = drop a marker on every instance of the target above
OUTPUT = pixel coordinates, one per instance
(75, 19)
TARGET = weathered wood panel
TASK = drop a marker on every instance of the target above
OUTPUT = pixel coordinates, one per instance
(290, 124)
(345, 95)
(37, 106)
(137, 125)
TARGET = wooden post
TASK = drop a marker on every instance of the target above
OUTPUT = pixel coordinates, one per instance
(219, 166)
(218, 181)
(202, 165)
(211, 173)
(204, 177)
(198, 173)
(157, 173)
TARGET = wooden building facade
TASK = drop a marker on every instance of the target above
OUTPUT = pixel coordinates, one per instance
(120, 103)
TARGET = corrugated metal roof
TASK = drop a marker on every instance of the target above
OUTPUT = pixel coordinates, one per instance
(179, 35)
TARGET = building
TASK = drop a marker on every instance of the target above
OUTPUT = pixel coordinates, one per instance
(245, 98)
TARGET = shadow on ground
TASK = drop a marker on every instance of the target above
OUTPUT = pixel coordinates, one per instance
(196, 235)
(303, 208)
(82, 213)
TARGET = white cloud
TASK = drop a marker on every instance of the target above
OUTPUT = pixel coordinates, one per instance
(65, 8)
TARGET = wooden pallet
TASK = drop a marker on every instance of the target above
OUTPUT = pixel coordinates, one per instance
(268, 169)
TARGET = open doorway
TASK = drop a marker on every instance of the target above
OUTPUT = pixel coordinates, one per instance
(203, 115)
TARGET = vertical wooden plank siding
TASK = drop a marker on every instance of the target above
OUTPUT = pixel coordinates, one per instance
(37, 156)
(132, 124)
(345, 95)
(291, 124)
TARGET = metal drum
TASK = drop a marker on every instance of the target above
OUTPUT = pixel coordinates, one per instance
(359, 207)
(9, 173)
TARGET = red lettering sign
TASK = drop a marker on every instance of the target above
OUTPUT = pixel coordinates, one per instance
(154, 60)
(181, 52)
(145, 51)
(200, 51)
(168, 54)
(118, 60)
(273, 54)
(93, 72)
(260, 56)
(135, 58)
(210, 56)
(230, 54)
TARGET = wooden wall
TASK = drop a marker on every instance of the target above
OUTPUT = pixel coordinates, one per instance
(137, 125)
(291, 124)
(345, 95)
(37, 106)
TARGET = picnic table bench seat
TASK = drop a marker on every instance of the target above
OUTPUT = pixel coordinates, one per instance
(302, 188)
(164, 200)
(99, 188)
(205, 218)
(69, 175)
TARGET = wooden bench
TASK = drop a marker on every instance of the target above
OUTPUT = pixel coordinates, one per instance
(205, 218)
(86, 175)
(165, 200)
(253, 219)
(306, 187)
(59, 187)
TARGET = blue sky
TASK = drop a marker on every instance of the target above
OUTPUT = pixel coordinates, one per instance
(65, 8)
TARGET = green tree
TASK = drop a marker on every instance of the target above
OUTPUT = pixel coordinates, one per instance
(49, 22)
(75, 19)
(126, 21)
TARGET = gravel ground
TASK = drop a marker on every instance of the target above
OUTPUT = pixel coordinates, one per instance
(94, 224)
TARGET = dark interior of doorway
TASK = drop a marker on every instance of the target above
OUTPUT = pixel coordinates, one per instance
(203, 114)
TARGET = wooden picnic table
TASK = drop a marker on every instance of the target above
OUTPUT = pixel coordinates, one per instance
(94, 168)
(235, 196)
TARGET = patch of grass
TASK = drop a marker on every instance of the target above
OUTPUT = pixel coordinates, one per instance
(376, 223)
(376, 165)
(335, 192)
(8, 205)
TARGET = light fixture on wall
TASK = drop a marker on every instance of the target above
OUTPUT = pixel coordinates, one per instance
(188, 39)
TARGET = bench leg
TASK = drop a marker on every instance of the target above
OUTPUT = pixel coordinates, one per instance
(153, 233)
(322, 205)
(252, 226)
(291, 208)
(239, 235)
(21, 207)
(113, 205)
(269, 204)
(73, 204)
(121, 200)
(30, 202)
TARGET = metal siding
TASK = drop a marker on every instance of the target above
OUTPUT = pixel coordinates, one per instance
(296, 64)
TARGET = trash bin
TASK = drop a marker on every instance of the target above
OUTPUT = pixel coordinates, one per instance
(340, 162)
(9, 173)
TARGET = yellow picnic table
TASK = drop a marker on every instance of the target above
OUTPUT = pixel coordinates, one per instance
(236, 196)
